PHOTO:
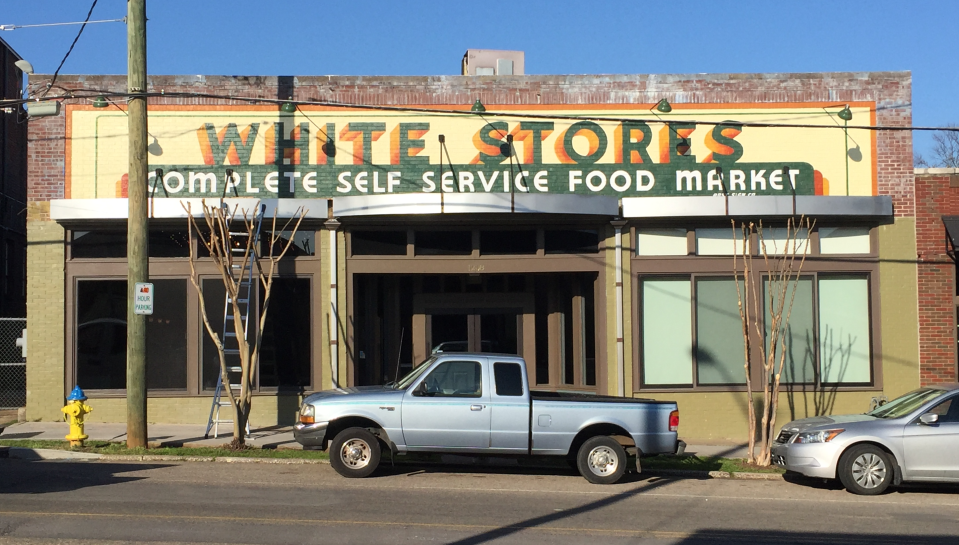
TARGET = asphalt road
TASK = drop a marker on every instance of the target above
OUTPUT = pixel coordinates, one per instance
(99, 502)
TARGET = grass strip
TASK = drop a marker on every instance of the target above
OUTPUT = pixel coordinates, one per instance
(670, 462)
(107, 447)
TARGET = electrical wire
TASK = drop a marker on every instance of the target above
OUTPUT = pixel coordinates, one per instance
(93, 93)
(83, 26)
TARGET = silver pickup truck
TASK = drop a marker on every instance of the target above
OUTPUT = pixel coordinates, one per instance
(481, 404)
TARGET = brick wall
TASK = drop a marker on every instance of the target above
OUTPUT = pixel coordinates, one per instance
(937, 195)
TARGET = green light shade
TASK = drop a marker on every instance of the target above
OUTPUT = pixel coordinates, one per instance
(845, 114)
(100, 102)
(663, 106)
(478, 106)
(288, 107)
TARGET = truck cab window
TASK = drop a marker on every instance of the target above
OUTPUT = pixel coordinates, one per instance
(456, 379)
(509, 379)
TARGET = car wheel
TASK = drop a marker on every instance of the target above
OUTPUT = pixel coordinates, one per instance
(355, 453)
(601, 460)
(866, 470)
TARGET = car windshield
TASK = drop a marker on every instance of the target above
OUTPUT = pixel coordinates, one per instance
(411, 377)
(901, 406)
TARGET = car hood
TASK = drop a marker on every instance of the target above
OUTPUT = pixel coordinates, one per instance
(821, 421)
(354, 392)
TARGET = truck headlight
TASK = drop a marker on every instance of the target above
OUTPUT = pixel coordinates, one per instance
(306, 414)
(823, 436)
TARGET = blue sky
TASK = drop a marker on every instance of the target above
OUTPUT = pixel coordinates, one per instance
(559, 37)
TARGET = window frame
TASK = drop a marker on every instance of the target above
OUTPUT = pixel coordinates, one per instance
(691, 266)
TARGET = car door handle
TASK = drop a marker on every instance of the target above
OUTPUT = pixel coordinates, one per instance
(476, 407)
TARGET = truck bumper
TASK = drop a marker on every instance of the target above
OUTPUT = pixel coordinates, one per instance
(311, 435)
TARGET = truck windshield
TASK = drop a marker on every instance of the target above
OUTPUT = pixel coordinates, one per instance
(411, 377)
(903, 405)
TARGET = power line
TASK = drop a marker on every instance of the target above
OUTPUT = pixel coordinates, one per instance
(94, 93)
(14, 27)
(83, 26)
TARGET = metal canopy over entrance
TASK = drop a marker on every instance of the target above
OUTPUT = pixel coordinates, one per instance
(952, 235)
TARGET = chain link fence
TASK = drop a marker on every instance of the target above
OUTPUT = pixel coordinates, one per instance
(13, 366)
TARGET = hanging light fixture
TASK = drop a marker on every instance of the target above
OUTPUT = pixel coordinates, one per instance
(663, 106)
(845, 114)
(478, 106)
(100, 102)
(288, 107)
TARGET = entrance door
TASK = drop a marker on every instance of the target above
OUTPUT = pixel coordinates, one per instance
(475, 330)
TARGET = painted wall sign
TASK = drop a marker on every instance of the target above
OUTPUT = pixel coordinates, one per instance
(258, 151)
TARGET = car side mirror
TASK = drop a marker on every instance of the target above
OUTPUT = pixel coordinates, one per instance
(929, 419)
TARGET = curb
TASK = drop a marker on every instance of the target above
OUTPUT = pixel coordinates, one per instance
(54, 454)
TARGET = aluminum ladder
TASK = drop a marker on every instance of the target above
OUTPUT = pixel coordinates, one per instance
(243, 276)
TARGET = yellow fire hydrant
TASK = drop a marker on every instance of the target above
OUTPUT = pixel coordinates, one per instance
(76, 409)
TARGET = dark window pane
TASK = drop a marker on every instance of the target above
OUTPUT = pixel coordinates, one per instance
(455, 379)
(508, 242)
(285, 355)
(571, 241)
(101, 334)
(378, 242)
(444, 243)
(214, 297)
(98, 244)
(169, 244)
(589, 331)
(542, 330)
(509, 379)
(166, 336)
(304, 243)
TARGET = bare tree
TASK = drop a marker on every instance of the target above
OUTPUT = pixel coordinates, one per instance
(230, 238)
(945, 150)
(781, 279)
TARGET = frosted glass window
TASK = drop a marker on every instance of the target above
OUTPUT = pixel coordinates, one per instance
(844, 330)
(667, 331)
(844, 240)
(661, 242)
(718, 241)
(719, 332)
(777, 241)
(800, 363)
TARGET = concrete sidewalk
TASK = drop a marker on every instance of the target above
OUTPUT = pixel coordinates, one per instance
(270, 437)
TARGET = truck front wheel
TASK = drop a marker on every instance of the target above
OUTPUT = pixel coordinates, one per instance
(601, 460)
(355, 453)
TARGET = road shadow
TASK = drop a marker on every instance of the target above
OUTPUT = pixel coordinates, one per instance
(26, 477)
(24, 435)
(508, 530)
(743, 537)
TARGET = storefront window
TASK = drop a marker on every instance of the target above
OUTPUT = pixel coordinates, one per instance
(800, 363)
(650, 242)
(844, 240)
(101, 332)
(378, 242)
(112, 244)
(508, 242)
(719, 332)
(444, 242)
(720, 241)
(667, 352)
(304, 243)
(571, 241)
(844, 330)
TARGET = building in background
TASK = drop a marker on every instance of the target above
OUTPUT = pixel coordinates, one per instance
(488, 230)
(937, 236)
(13, 189)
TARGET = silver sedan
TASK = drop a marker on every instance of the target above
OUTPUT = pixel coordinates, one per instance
(911, 438)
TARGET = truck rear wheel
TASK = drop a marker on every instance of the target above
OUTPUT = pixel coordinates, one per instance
(601, 460)
(355, 453)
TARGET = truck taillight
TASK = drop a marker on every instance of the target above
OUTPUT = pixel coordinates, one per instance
(674, 421)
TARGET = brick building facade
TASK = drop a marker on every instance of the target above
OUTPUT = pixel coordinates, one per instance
(559, 297)
(937, 195)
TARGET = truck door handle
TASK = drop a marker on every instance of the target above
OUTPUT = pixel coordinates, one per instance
(476, 407)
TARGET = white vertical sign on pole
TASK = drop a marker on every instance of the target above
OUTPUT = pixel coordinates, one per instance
(143, 298)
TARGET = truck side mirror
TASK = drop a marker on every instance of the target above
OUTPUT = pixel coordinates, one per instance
(929, 419)
(420, 390)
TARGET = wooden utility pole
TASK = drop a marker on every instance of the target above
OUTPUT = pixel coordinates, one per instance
(137, 229)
